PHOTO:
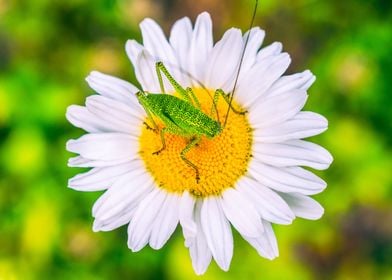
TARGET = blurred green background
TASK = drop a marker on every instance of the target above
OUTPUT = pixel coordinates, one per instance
(47, 47)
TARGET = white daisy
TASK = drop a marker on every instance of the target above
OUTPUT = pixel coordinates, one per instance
(250, 174)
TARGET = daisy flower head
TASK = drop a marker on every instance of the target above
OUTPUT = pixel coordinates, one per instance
(177, 150)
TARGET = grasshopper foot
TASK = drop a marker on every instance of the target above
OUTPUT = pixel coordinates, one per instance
(197, 177)
(155, 130)
(158, 152)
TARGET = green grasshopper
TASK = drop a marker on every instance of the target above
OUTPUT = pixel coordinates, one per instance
(183, 116)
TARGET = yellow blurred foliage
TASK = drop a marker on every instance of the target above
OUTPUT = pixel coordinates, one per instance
(5, 104)
(105, 57)
(8, 270)
(40, 230)
(24, 151)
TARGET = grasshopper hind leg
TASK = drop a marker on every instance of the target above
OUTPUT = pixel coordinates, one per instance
(189, 146)
(226, 97)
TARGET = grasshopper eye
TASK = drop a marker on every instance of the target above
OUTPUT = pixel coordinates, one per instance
(218, 129)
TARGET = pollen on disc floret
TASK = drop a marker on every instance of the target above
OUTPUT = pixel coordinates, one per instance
(221, 160)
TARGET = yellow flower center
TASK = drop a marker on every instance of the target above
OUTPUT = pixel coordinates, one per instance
(221, 161)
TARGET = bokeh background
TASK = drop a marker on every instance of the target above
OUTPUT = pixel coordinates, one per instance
(47, 47)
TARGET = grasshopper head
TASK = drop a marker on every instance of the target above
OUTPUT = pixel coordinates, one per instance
(214, 129)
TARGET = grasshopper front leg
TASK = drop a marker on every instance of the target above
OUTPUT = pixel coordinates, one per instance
(169, 128)
(187, 148)
(163, 131)
(190, 145)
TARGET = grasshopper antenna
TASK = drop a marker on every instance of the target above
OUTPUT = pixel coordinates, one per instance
(241, 59)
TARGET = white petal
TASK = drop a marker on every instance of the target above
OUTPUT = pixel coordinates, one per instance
(166, 222)
(222, 64)
(270, 50)
(122, 218)
(201, 45)
(80, 117)
(186, 217)
(269, 204)
(115, 115)
(256, 37)
(101, 119)
(126, 191)
(156, 44)
(241, 213)
(303, 206)
(308, 83)
(292, 153)
(180, 38)
(80, 161)
(139, 229)
(266, 245)
(114, 88)
(155, 41)
(133, 49)
(287, 179)
(270, 236)
(100, 178)
(302, 125)
(217, 231)
(296, 81)
(276, 109)
(125, 112)
(105, 146)
(259, 79)
(200, 253)
(145, 72)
